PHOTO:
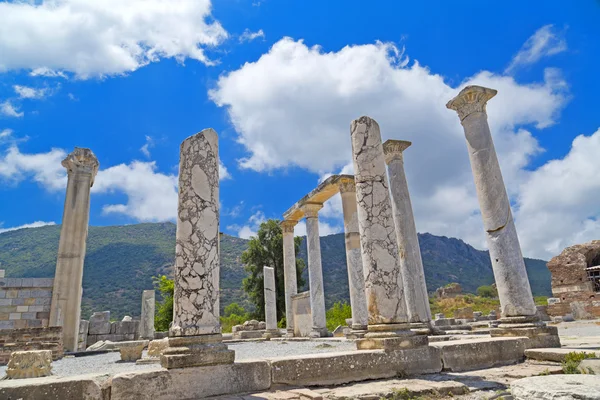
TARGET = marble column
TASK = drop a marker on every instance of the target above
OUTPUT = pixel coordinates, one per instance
(270, 300)
(147, 317)
(289, 272)
(65, 309)
(195, 334)
(411, 264)
(379, 246)
(516, 301)
(356, 277)
(315, 269)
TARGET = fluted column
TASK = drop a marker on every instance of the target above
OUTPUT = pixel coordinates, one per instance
(82, 166)
(516, 301)
(315, 269)
(289, 272)
(356, 277)
(411, 264)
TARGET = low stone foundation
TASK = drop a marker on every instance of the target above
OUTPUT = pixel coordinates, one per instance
(31, 339)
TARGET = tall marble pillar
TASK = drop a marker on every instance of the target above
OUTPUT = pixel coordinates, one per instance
(315, 269)
(147, 317)
(411, 264)
(65, 309)
(270, 300)
(516, 301)
(195, 334)
(289, 272)
(379, 247)
(356, 277)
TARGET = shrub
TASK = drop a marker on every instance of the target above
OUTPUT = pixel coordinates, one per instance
(164, 309)
(572, 361)
(337, 315)
(234, 314)
(487, 291)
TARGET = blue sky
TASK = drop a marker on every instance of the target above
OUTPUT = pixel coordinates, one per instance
(280, 82)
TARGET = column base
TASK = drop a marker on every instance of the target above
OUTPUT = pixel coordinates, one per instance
(319, 332)
(271, 333)
(196, 351)
(391, 337)
(289, 333)
(540, 335)
(357, 333)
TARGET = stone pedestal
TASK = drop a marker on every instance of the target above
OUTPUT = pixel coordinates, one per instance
(518, 309)
(315, 269)
(270, 302)
(356, 277)
(388, 318)
(29, 364)
(411, 264)
(289, 272)
(131, 351)
(147, 319)
(195, 334)
(65, 310)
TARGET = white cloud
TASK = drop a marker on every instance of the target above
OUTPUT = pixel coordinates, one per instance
(545, 42)
(25, 92)
(5, 134)
(145, 149)
(223, 172)
(325, 229)
(72, 97)
(9, 110)
(35, 224)
(43, 168)
(295, 91)
(249, 36)
(251, 227)
(47, 72)
(103, 37)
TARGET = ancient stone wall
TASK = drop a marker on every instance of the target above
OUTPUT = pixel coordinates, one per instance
(25, 302)
(100, 327)
(30, 339)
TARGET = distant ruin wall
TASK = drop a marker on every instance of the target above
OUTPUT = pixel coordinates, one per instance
(25, 302)
(31, 339)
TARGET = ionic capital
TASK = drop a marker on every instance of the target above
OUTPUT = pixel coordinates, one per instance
(287, 225)
(392, 149)
(82, 160)
(347, 185)
(470, 100)
(311, 210)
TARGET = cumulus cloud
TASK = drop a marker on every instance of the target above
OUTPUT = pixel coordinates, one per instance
(251, 227)
(223, 172)
(249, 36)
(309, 96)
(35, 224)
(10, 110)
(25, 92)
(103, 37)
(43, 168)
(545, 42)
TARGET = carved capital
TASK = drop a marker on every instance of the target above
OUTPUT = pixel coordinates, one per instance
(287, 226)
(470, 100)
(347, 185)
(311, 210)
(392, 149)
(82, 160)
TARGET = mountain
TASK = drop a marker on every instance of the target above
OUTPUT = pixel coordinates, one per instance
(121, 261)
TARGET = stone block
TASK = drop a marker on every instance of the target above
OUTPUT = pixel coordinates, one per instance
(554, 354)
(391, 343)
(14, 316)
(553, 300)
(444, 322)
(101, 345)
(132, 351)
(192, 383)
(18, 302)
(29, 364)
(23, 294)
(42, 315)
(45, 301)
(591, 366)
(14, 282)
(5, 302)
(84, 326)
(29, 302)
(99, 327)
(2, 294)
(12, 294)
(2, 272)
(27, 282)
(28, 315)
(464, 355)
(539, 337)
(41, 293)
(81, 387)
(156, 347)
(43, 282)
(21, 324)
(7, 324)
(125, 327)
(34, 323)
(556, 387)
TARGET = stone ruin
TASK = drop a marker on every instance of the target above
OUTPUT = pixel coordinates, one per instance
(449, 291)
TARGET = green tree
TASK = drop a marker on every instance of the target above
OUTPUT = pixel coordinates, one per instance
(337, 315)
(266, 249)
(234, 314)
(487, 291)
(164, 310)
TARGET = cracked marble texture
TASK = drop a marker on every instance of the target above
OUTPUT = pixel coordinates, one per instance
(196, 299)
(379, 247)
(270, 298)
(289, 267)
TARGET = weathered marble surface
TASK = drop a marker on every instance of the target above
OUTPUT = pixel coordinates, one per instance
(411, 264)
(29, 364)
(315, 269)
(505, 252)
(82, 167)
(356, 277)
(289, 270)
(196, 299)
(270, 298)
(379, 247)
(147, 318)
(132, 351)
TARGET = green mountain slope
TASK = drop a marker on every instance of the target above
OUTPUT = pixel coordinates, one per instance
(121, 261)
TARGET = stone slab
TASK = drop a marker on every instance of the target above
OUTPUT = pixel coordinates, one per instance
(557, 387)
(415, 388)
(353, 366)
(81, 387)
(192, 383)
(590, 366)
(464, 355)
(554, 354)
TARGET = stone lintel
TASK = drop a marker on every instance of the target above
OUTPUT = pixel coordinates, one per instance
(392, 149)
(287, 225)
(470, 100)
(326, 190)
(82, 160)
(311, 210)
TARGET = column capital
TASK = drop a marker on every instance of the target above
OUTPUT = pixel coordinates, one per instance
(392, 149)
(470, 100)
(311, 210)
(347, 185)
(287, 225)
(82, 160)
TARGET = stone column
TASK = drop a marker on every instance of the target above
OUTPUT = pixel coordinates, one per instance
(65, 310)
(411, 264)
(289, 272)
(356, 277)
(388, 318)
(270, 301)
(195, 334)
(315, 269)
(516, 301)
(147, 317)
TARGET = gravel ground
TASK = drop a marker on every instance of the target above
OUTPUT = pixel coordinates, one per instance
(579, 328)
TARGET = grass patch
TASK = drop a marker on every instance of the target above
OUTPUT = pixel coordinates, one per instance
(477, 303)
